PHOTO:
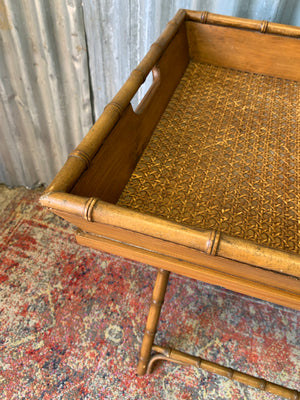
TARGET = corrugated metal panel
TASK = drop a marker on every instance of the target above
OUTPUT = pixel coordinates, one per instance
(45, 72)
(45, 103)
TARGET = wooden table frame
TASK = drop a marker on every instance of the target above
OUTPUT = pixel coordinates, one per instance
(207, 255)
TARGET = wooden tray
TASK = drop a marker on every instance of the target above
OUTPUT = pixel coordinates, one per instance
(203, 178)
(222, 165)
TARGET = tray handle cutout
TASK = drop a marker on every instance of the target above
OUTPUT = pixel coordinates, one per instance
(149, 86)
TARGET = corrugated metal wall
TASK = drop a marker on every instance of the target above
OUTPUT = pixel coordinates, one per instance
(45, 102)
(61, 61)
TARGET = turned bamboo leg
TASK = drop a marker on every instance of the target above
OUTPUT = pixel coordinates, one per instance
(152, 320)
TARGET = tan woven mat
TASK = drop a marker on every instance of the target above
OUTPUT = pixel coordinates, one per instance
(225, 155)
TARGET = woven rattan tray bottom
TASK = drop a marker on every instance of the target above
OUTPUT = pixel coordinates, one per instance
(225, 155)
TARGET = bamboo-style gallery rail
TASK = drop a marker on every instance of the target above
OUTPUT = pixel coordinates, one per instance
(117, 186)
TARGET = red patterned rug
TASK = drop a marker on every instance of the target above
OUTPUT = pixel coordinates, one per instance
(72, 321)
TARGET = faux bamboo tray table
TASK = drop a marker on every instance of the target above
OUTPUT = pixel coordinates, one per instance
(202, 179)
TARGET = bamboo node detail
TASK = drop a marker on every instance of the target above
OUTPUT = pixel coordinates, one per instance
(88, 209)
(213, 243)
(204, 17)
(264, 26)
(141, 73)
(116, 106)
(82, 155)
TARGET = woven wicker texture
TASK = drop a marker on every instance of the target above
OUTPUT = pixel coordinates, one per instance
(225, 155)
